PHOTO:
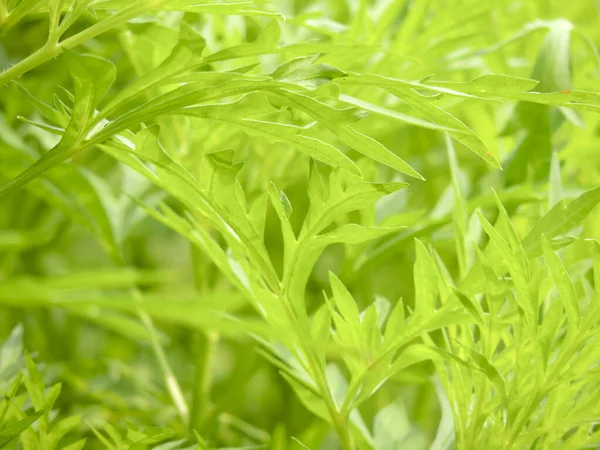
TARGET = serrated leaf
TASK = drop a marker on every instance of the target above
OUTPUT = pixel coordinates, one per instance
(357, 195)
(238, 114)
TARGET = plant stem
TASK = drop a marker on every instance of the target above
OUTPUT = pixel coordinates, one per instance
(339, 421)
(52, 49)
(170, 380)
(31, 62)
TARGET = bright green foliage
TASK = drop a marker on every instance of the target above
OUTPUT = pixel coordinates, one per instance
(349, 224)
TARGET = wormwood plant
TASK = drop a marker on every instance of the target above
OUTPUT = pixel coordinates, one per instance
(251, 224)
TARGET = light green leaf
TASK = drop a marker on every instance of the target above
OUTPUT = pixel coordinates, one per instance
(283, 208)
(425, 279)
(391, 427)
(563, 283)
(465, 135)
(333, 119)
(344, 302)
(61, 429)
(392, 114)
(357, 195)
(560, 219)
(309, 399)
(351, 234)
(238, 115)
(473, 307)
(490, 84)
(525, 299)
(460, 213)
(395, 323)
(417, 353)
(180, 57)
(92, 77)
(490, 371)
(547, 331)
(10, 432)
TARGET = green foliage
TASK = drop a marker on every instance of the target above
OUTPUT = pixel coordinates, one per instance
(314, 224)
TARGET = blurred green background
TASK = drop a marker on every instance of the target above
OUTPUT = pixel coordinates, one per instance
(61, 278)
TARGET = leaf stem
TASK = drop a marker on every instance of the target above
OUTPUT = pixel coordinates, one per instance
(37, 58)
(169, 377)
(339, 421)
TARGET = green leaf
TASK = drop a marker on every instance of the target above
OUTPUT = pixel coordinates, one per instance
(392, 114)
(560, 219)
(182, 55)
(12, 349)
(283, 208)
(344, 301)
(405, 91)
(465, 135)
(309, 399)
(552, 321)
(391, 427)
(356, 196)
(490, 84)
(351, 234)
(61, 429)
(238, 115)
(425, 279)
(258, 214)
(333, 119)
(395, 322)
(473, 307)
(460, 214)
(77, 445)
(490, 371)
(417, 353)
(563, 283)
(10, 432)
(92, 77)
(516, 267)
